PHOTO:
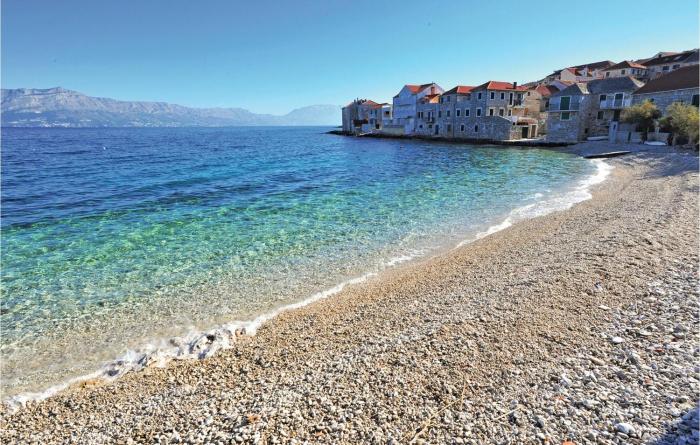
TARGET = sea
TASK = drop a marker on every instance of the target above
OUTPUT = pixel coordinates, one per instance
(126, 247)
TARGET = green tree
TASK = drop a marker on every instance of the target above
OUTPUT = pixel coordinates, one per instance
(682, 120)
(643, 115)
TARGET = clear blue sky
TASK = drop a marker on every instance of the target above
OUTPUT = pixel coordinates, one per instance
(275, 56)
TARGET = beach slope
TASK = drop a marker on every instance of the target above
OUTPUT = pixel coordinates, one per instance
(578, 325)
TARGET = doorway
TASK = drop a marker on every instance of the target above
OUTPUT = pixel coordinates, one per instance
(525, 134)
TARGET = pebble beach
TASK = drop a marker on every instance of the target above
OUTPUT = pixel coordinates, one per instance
(579, 327)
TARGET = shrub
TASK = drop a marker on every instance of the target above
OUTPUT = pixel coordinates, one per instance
(643, 115)
(683, 120)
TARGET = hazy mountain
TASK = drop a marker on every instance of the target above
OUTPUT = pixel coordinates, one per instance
(58, 107)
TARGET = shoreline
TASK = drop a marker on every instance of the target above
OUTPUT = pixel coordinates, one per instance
(513, 143)
(199, 345)
(375, 292)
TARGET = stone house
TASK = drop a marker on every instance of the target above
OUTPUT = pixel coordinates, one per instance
(580, 73)
(681, 85)
(454, 106)
(426, 115)
(585, 110)
(379, 115)
(360, 116)
(492, 111)
(405, 105)
(627, 68)
(537, 101)
(664, 63)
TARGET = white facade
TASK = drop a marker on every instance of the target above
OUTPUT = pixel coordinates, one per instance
(406, 102)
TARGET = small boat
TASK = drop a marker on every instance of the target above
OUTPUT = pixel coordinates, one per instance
(657, 143)
(610, 154)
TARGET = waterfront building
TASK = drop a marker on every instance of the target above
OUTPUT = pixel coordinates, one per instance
(426, 115)
(405, 106)
(365, 116)
(589, 109)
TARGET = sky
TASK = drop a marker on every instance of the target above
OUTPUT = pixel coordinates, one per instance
(274, 56)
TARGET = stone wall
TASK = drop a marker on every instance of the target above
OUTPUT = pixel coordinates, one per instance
(665, 98)
(565, 130)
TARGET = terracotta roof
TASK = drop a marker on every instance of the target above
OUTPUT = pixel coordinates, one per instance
(546, 90)
(497, 85)
(626, 64)
(680, 79)
(685, 56)
(417, 88)
(595, 65)
(460, 89)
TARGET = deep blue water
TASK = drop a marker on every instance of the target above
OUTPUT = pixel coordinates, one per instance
(114, 237)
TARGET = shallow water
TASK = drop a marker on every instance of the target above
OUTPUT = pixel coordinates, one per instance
(112, 238)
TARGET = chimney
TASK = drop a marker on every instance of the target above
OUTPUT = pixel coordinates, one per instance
(515, 85)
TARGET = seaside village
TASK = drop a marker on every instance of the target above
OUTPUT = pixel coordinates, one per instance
(577, 103)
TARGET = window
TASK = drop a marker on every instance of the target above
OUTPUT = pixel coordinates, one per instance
(607, 74)
(676, 66)
(503, 96)
(461, 128)
(449, 128)
(478, 112)
(510, 112)
(479, 96)
(566, 116)
(440, 113)
(501, 112)
(696, 100)
(430, 126)
(491, 111)
(448, 98)
(476, 128)
(564, 103)
(493, 95)
(458, 112)
(600, 115)
(665, 68)
(622, 72)
(466, 112)
(603, 97)
(448, 113)
(420, 126)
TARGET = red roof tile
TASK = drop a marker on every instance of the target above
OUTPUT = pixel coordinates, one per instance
(460, 89)
(626, 64)
(497, 85)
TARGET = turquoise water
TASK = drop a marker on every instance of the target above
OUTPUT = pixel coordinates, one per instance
(112, 238)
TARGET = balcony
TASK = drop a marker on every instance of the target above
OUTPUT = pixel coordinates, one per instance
(574, 105)
(611, 103)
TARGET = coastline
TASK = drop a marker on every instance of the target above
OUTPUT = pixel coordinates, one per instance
(202, 344)
(303, 342)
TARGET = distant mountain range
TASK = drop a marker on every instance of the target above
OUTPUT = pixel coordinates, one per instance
(58, 107)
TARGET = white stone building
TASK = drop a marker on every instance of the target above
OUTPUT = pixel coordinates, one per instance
(405, 106)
